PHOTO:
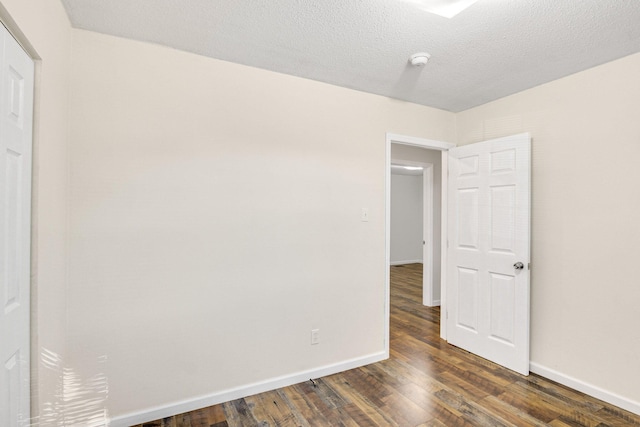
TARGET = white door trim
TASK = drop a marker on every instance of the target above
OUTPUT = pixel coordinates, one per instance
(10, 24)
(427, 233)
(444, 241)
(431, 145)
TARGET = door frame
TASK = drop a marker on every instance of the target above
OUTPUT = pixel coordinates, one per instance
(392, 138)
(427, 236)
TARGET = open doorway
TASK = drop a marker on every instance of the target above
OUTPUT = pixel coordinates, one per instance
(415, 219)
(404, 149)
(414, 238)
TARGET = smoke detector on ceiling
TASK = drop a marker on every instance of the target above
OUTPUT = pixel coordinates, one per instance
(419, 59)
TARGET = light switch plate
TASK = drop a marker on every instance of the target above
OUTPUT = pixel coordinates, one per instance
(364, 215)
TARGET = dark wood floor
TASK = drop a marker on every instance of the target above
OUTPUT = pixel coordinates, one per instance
(426, 382)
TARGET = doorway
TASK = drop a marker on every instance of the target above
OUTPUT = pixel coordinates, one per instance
(489, 229)
(403, 147)
(415, 234)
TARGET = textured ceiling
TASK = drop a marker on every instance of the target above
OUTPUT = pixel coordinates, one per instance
(490, 50)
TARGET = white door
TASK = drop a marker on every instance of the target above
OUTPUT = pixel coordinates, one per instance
(16, 112)
(488, 255)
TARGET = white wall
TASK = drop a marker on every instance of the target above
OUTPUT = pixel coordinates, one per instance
(585, 228)
(44, 26)
(215, 220)
(406, 218)
(414, 154)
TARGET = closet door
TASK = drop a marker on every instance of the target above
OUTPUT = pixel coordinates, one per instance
(16, 114)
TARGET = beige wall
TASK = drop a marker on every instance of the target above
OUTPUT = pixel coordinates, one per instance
(44, 24)
(215, 217)
(585, 227)
(405, 212)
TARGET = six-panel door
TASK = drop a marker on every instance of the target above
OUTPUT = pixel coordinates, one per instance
(489, 234)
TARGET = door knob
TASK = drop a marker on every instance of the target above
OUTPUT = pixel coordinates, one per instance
(518, 266)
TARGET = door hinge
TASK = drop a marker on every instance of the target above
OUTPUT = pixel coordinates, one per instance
(446, 314)
(528, 266)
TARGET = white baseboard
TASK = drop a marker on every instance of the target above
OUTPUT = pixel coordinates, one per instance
(586, 388)
(434, 303)
(408, 261)
(156, 413)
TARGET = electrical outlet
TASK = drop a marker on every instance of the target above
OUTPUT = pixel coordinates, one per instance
(315, 336)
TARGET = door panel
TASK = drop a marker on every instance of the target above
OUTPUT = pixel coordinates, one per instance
(468, 299)
(16, 112)
(467, 220)
(502, 302)
(489, 208)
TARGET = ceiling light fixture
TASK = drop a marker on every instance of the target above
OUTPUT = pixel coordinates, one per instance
(444, 8)
(419, 59)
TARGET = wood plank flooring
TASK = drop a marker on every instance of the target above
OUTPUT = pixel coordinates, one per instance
(426, 382)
